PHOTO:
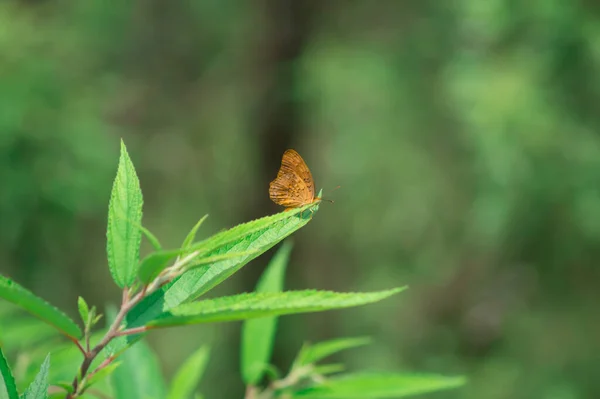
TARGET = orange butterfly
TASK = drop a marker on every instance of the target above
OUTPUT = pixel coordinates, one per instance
(294, 186)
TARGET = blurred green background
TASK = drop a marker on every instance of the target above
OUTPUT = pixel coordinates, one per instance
(464, 134)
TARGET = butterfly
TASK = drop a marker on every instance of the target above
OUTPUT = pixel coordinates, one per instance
(294, 186)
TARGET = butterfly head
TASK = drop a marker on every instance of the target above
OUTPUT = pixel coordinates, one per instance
(320, 198)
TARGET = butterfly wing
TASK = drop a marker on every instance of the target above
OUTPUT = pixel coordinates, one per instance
(292, 161)
(294, 185)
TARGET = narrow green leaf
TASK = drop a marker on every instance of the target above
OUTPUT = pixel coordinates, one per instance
(23, 298)
(273, 277)
(325, 369)
(152, 265)
(139, 375)
(187, 377)
(84, 310)
(252, 305)
(124, 216)
(152, 239)
(96, 319)
(102, 374)
(189, 239)
(8, 388)
(39, 387)
(67, 386)
(258, 334)
(313, 353)
(259, 235)
(375, 386)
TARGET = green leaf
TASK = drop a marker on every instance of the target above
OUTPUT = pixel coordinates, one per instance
(313, 353)
(39, 387)
(124, 218)
(139, 375)
(67, 386)
(8, 388)
(189, 239)
(325, 369)
(23, 298)
(189, 374)
(96, 319)
(25, 332)
(156, 262)
(152, 265)
(258, 334)
(152, 239)
(252, 305)
(259, 235)
(101, 374)
(375, 385)
(84, 310)
(201, 261)
(65, 356)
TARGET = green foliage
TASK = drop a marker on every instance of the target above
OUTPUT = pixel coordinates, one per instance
(8, 389)
(20, 331)
(257, 236)
(138, 375)
(189, 374)
(316, 352)
(258, 334)
(189, 239)
(14, 293)
(157, 292)
(152, 239)
(252, 305)
(123, 235)
(39, 387)
(98, 376)
(84, 310)
(325, 369)
(153, 264)
(373, 385)
(465, 138)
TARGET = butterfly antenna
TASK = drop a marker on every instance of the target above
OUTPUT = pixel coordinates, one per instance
(328, 200)
(335, 189)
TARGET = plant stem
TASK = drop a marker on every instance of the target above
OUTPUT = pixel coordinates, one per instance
(132, 331)
(110, 334)
(76, 342)
(127, 304)
(251, 392)
(292, 378)
(295, 375)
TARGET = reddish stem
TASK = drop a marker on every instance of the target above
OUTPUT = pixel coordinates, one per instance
(89, 357)
(76, 342)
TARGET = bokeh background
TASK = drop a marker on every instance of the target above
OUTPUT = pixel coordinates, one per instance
(464, 134)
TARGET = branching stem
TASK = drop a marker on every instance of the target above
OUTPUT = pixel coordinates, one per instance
(114, 331)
